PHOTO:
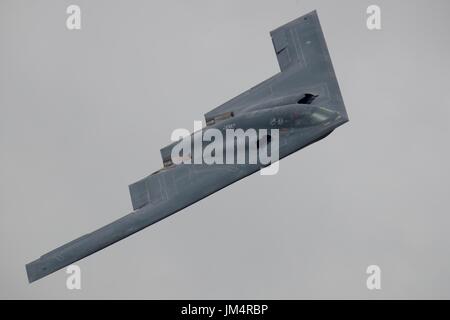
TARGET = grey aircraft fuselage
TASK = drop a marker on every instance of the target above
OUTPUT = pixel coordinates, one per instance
(280, 117)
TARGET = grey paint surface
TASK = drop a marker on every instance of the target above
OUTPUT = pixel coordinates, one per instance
(63, 125)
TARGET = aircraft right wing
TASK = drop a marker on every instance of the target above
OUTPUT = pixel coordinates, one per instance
(305, 65)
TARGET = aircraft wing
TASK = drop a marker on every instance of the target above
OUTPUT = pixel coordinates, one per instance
(305, 65)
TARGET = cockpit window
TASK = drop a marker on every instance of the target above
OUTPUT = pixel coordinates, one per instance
(307, 98)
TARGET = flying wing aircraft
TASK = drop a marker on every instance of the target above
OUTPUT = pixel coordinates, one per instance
(306, 103)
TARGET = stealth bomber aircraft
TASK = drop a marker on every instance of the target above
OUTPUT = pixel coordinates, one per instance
(303, 101)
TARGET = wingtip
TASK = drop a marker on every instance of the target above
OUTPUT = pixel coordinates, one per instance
(296, 20)
(30, 274)
(36, 270)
